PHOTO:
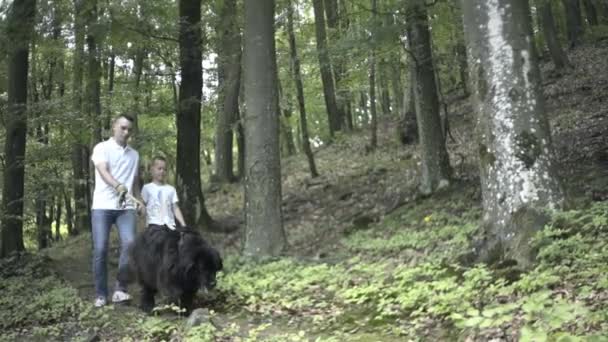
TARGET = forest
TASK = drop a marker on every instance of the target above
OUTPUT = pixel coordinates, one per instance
(368, 170)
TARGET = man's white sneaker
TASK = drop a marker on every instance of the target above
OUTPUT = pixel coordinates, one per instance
(120, 296)
(99, 302)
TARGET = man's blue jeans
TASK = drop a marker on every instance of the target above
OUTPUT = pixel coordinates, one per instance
(102, 221)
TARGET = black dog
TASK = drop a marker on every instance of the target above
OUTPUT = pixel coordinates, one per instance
(174, 262)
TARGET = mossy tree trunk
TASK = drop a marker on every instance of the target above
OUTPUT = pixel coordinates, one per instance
(264, 234)
(460, 50)
(516, 159)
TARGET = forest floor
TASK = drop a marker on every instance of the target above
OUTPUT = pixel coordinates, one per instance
(369, 259)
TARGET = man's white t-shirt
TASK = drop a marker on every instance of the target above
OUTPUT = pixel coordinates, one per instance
(122, 164)
(159, 201)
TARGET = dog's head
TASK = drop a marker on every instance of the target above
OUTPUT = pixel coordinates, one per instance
(199, 261)
(209, 263)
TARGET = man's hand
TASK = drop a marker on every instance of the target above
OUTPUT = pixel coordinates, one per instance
(121, 190)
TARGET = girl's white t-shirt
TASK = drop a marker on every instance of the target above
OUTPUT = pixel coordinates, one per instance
(159, 201)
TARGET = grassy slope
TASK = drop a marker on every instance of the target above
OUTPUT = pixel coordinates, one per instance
(368, 259)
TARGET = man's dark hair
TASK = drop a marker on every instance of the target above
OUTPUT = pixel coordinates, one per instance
(126, 116)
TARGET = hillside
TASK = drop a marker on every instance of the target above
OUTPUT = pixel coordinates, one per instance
(369, 259)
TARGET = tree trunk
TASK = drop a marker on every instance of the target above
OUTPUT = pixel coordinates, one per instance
(229, 55)
(397, 86)
(264, 234)
(559, 57)
(51, 216)
(69, 215)
(138, 69)
(297, 76)
(363, 107)
(408, 130)
(80, 160)
(240, 144)
(93, 85)
(337, 65)
(285, 108)
(590, 12)
(58, 213)
(345, 93)
(435, 162)
(460, 50)
(574, 23)
(43, 222)
(39, 133)
(19, 26)
(111, 74)
(463, 68)
(603, 9)
(350, 125)
(139, 64)
(333, 117)
(385, 98)
(372, 86)
(518, 181)
(188, 119)
(174, 90)
(93, 89)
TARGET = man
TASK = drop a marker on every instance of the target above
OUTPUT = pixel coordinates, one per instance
(116, 183)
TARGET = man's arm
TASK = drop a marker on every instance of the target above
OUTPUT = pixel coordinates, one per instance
(178, 215)
(105, 174)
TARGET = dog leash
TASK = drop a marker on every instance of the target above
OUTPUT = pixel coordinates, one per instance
(129, 197)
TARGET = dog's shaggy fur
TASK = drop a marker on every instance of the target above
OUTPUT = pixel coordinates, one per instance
(174, 263)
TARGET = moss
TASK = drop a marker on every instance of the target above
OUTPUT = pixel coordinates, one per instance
(528, 148)
(525, 223)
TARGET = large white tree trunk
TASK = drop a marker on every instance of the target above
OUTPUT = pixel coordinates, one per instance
(517, 174)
